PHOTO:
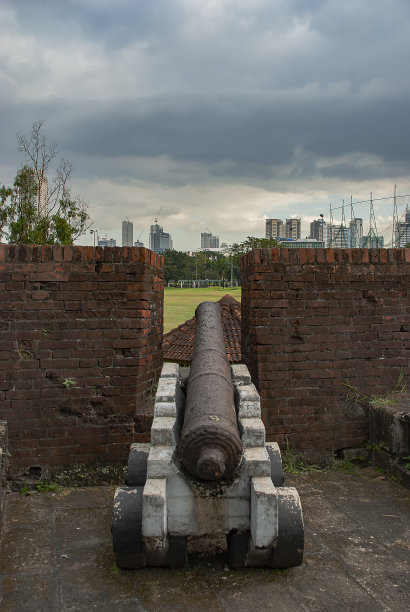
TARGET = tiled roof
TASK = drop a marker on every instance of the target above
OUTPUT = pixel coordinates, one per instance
(178, 344)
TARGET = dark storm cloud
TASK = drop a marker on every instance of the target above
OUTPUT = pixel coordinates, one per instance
(114, 24)
(255, 135)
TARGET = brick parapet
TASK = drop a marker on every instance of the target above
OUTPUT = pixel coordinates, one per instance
(316, 323)
(83, 314)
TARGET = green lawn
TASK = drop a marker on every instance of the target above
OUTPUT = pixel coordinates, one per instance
(180, 304)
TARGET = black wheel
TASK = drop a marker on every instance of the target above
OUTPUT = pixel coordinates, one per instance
(238, 548)
(177, 552)
(137, 465)
(126, 528)
(289, 549)
(276, 469)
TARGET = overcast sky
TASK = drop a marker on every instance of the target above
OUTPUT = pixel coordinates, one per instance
(222, 112)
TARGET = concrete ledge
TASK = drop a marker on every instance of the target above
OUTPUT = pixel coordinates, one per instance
(170, 370)
(390, 436)
(166, 390)
(240, 374)
(390, 426)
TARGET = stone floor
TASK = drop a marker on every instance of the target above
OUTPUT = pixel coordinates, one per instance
(56, 556)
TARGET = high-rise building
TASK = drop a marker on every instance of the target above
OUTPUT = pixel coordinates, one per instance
(402, 231)
(159, 241)
(42, 197)
(338, 236)
(39, 199)
(208, 241)
(293, 228)
(154, 237)
(274, 228)
(356, 233)
(127, 233)
(318, 230)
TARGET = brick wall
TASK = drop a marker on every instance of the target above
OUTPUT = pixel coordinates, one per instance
(87, 316)
(316, 320)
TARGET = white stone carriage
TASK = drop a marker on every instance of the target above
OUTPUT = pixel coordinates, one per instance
(161, 505)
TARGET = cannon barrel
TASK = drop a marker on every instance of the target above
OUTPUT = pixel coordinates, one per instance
(210, 447)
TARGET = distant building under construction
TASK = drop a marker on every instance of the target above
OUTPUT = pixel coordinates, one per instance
(159, 241)
(208, 241)
(402, 230)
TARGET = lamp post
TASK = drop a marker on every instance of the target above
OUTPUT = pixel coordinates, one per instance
(94, 232)
(323, 237)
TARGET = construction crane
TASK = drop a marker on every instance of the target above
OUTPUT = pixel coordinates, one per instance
(157, 216)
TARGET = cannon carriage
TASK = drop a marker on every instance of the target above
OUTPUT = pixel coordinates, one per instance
(208, 469)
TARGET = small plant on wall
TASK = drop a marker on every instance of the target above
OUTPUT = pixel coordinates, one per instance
(69, 382)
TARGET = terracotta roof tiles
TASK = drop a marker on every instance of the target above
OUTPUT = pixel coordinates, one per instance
(178, 344)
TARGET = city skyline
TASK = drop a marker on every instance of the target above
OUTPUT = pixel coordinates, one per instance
(345, 234)
(224, 113)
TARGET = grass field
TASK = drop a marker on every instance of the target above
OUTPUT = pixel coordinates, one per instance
(180, 304)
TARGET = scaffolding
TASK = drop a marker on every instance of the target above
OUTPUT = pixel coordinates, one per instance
(341, 236)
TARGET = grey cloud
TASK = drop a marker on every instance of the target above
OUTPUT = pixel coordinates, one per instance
(113, 24)
(255, 134)
(253, 93)
(261, 139)
(320, 42)
(365, 172)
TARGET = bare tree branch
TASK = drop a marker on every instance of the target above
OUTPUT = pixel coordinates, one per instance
(41, 208)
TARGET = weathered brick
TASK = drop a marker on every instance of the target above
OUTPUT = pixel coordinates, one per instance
(344, 325)
(61, 304)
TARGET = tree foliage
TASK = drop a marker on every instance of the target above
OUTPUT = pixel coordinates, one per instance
(251, 243)
(37, 210)
(204, 264)
(210, 265)
(254, 243)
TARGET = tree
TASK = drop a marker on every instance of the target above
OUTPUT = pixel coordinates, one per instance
(36, 210)
(254, 243)
(238, 249)
(176, 265)
(222, 265)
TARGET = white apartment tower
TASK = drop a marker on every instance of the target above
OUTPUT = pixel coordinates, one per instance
(356, 233)
(293, 228)
(42, 202)
(274, 228)
(127, 233)
(39, 199)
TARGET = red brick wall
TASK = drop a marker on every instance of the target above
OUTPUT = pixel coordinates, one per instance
(313, 320)
(92, 315)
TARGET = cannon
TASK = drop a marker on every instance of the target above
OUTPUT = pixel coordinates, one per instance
(207, 470)
(210, 447)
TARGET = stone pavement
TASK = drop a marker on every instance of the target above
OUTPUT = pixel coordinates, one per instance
(56, 555)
